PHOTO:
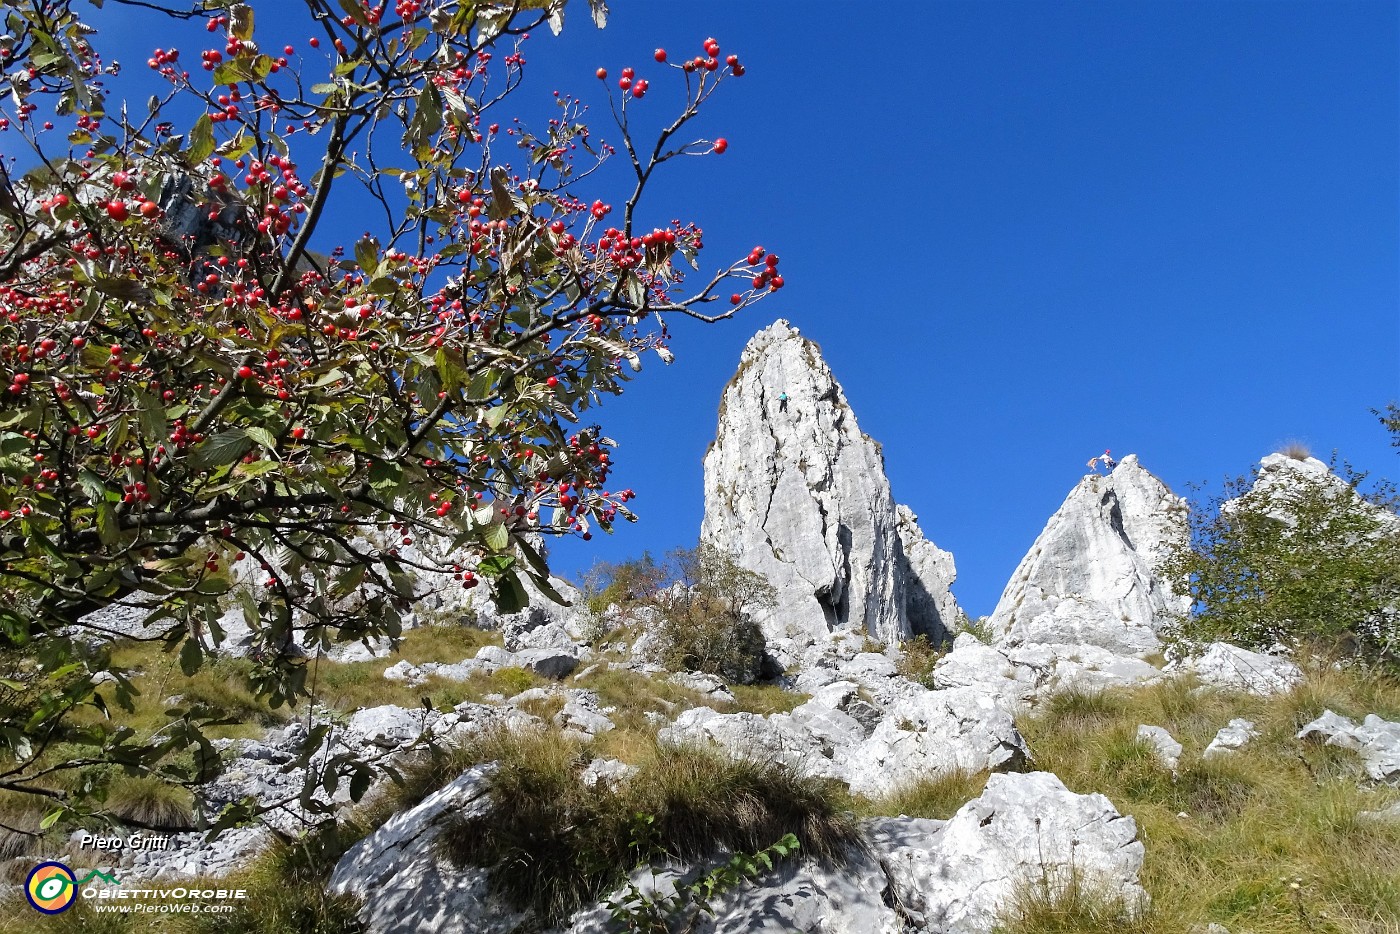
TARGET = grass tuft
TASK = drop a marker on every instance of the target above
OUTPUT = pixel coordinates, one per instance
(937, 796)
(553, 845)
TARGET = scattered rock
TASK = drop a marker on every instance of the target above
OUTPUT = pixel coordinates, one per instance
(1231, 737)
(714, 689)
(1377, 741)
(1168, 749)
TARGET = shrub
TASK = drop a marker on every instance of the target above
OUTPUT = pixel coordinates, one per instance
(1310, 561)
(706, 626)
(638, 580)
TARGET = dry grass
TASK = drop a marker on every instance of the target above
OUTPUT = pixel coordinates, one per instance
(937, 796)
(552, 844)
(1266, 840)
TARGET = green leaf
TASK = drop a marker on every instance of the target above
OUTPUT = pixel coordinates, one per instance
(201, 140)
(226, 447)
(262, 436)
(191, 656)
(495, 415)
(355, 11)
(510, 595)
(452, 368)
(367, 255)
(498, 537)
(151, 413)
(495, 565)
(51, 818)
(107, 529)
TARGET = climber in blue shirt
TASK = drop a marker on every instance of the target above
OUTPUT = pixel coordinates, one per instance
(782, 402)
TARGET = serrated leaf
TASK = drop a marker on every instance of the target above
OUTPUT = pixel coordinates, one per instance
(510, 595)
(498, 537)
(226, 447)
(107, 529)
(367, 255)
(201, 140)
(262, 436)
(355, 11)
(495, 415)
(240, 21)
(151, 414)
(191, 656)
(451, 368)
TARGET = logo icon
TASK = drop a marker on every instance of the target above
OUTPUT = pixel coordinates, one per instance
(51, 888)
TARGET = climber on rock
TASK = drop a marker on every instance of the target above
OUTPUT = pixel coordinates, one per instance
(782, 402)
(1106, 459)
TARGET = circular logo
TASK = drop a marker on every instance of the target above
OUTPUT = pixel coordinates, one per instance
(51, 888)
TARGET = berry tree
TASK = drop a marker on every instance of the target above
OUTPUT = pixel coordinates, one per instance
(200, 379)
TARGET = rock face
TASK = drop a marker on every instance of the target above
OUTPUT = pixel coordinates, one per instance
(798, 494)
(1090, 577)
(942, 877)
(403, 885)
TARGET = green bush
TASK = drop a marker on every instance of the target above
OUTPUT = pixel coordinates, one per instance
(1311, 564)
(707, 626)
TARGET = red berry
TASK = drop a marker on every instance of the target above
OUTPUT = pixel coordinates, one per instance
(149, 209)
(602, 74)
(659, 55)
(298, 432)
(315, 43)
(721, 144)
(245, 372)
(116, 210)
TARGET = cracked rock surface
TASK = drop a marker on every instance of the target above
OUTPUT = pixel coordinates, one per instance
(1090, 578)
(797, 493)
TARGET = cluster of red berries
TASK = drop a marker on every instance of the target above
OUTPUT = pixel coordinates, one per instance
(767, 275)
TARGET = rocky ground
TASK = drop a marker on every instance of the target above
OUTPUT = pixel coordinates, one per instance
(798, 494)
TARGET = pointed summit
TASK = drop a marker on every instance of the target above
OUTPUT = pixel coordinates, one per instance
(799, 495)
(1091, 575)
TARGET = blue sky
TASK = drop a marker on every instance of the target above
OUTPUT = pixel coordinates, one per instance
(1023, 233)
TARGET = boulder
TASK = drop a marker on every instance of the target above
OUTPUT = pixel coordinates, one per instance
(1090, 578)
(1230, 738)
(1168, 749)
(798, 494)
(405, 887)
(958, 875)
(1377, 741)
(1232, 668)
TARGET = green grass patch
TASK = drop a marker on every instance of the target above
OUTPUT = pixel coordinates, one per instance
(553, 845)
(937, 796)
(1267, 839)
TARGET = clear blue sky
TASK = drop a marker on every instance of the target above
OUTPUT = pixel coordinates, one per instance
(1023, 233)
